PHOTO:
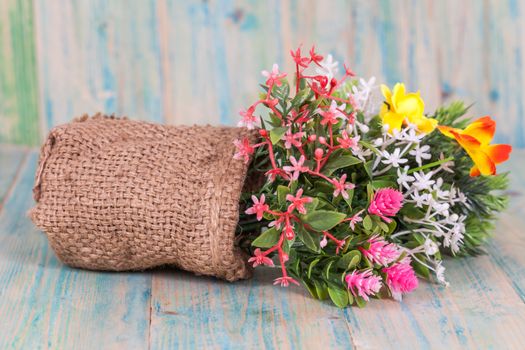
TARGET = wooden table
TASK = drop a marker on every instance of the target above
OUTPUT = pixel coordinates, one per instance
(44, 304)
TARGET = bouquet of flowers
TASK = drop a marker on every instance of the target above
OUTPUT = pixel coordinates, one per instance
(361, 196)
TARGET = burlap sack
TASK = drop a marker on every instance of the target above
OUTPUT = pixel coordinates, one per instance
(116, 194)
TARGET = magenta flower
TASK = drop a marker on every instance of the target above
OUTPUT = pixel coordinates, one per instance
(400, 278)
(330, 116)
(386, 202)
(258, 207)
(296, 168)
(341, 186)
(260, 259)
(363, 284)
(273, 77)
(298, 202)
(348, 142)
(244, 149)
(285, 281)
(291, 139)
(380, 251)
(248, 119)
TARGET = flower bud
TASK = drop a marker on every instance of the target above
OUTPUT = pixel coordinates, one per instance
(318, 153)
(322, 140)
(263, 133)
(312, 138)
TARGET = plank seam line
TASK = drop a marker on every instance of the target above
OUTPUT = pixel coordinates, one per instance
(13, 183)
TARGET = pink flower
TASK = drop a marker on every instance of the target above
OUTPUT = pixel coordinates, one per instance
(330, 116)
(355, 219)
(341, 186)
(298, 202)
(400, 278)
(348, 142)
(288, 231)
(277, 223)
(363, 283)
(386, 202)
(296, 168)
(244, 149)
(260, 259)
(273, 77)
(291, 139)
(248, 119)
(323, 242)
(380, 251)
(300, 61)
(258, 207)
(285, 281)
(273, 173)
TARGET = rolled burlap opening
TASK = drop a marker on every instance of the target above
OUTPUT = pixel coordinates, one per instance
(116, 194)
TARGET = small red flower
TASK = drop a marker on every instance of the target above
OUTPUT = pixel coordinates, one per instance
(300, 61)
(260, 259)
(273, 77)
(285, 281)
(316, 58)
(298, 202)
(244, 149)
(259, 207)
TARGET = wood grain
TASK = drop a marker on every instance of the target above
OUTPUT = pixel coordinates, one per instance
(200, 61)
(19, 120)
(45, 304)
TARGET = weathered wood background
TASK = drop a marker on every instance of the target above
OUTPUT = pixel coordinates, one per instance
(199, 61)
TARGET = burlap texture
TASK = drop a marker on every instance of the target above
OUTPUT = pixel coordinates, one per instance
(116, 194)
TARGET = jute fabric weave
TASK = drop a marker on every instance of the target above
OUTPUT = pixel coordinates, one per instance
(116, 194)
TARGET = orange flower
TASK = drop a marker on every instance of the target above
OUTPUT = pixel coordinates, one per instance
(475, 139)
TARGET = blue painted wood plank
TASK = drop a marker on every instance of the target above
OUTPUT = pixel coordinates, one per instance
(10, 160)
(190, 312)
(45, 304)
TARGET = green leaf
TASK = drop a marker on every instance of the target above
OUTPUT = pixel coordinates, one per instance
(311, 289)
(322, 220)
(383, 225)
(321, 289)
(383, 184)
(341, 158)
(350, 260)
(326, 270)
(276, 134)
(301, 97)
(311, 266)
(339, 296)
(312, 205)
(367, 223)
(308, 239)
(267, 239)
(360, 301)
(282, 191)
(370, 192)
(368, 168)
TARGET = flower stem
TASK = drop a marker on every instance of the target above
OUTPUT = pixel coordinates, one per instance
(430, 165)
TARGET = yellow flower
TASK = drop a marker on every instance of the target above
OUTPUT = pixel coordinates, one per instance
(400, 108)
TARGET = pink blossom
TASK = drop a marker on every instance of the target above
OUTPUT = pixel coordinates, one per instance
(298, 202)
(285, 281)
(300, 61)
(296, 168)
(316, 58)
(363, 283)
(273, 77)
(288, 231)
(277, 223)
(400, 278)
(291, 139)
(386, 202)
(330, 116)
(248, 119)
(380, 251)
(355, 219)
(323, 242)
(244, 149)
(348, 142)
(260, 259)
(273, 173)
(341, 186)
(258, 207)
